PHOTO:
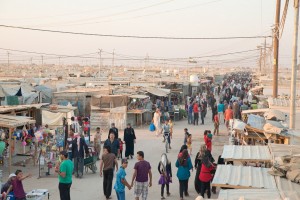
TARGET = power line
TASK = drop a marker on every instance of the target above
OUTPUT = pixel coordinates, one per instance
(135, 36)
(140, 16)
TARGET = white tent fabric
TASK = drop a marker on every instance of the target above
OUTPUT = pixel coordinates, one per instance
(11, 90)
(55, 119)
(30, 98)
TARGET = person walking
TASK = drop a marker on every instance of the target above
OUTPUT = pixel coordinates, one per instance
(69, 144)
(17, 185)
(167, 132)
(186, 134)
(202, 113)
(165, 171)
(184, 165)
(142, 169)
(121, 181)
(97, 142)
(129, 140)
(113, 143)
(114, 130)
(198, 164)
(228, 117)
(78, 148)
(216, 124)
(107, 164)
(190, 113)
(205, 174)
(64, 172)
(214, 110)
(156, 121)
(196, 113)
(221, 110)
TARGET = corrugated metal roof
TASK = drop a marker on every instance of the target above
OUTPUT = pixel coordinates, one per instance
(250, 194)
(288, 189)
(278, 150)
(243, 177)
(246, 153)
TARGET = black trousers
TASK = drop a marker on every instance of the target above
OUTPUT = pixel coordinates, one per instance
(183, 187)
(108, 176)
(196, 118)
(64, 191)
(163, 189)
(205, 186)
(202, 117)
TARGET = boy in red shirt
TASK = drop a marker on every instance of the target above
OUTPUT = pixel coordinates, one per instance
(216, 124)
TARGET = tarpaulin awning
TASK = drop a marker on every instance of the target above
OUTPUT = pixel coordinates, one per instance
(158, 91)
(138, 96)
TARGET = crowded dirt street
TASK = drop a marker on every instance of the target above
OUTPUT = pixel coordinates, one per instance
(91, 184)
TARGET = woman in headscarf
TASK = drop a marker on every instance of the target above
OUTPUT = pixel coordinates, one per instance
(184, 165)
(165, 171)
(206, 173)
(156, 121)
(198, 164)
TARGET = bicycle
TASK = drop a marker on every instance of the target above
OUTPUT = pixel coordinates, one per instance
(166, 136)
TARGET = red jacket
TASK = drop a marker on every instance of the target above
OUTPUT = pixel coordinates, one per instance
(196, 108)
(205, 175)
(208, 144)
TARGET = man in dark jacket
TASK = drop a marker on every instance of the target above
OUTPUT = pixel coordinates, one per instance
(78, 148)
(129, 139)
(114, 130)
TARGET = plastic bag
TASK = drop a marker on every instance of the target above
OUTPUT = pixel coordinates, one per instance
(151, 127)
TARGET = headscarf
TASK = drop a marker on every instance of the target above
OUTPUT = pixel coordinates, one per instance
(183, 158)
(202, 151)
(164, 159)
(207, 159)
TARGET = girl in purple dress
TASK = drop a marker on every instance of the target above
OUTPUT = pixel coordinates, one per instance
(165, 171)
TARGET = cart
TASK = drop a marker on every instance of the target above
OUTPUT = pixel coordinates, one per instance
(90, 162)
(38, 194)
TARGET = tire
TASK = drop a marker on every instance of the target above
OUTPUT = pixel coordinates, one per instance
(94, 168)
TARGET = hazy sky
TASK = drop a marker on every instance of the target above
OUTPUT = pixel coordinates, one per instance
(176, 18)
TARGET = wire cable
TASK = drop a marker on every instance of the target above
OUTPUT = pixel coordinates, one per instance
(135, 36)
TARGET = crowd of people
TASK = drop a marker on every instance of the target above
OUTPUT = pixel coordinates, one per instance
(232, 100)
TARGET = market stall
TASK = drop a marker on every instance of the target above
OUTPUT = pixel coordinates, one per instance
(139, 106)
(12, 122)
(108, 109)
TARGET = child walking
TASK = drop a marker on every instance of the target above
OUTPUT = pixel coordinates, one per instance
(121, 181)
(189, 143)
(121, 148)
(165, 170)
(216, 124)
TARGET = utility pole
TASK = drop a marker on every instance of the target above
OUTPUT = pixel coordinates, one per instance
(276, 49)
(59, 61)
(113, 59)
(8, 58)
(100, 52)
(260, 58)
(265, 55)
(294, 66)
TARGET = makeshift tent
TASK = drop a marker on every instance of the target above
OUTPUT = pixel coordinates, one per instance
(11, 122)
(160, 92)
(53, 117)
